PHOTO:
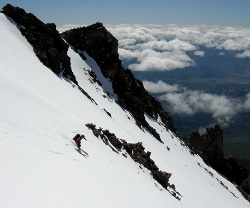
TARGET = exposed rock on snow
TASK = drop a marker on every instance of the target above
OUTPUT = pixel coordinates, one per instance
(245, 188)
(138, 154)
(210, 147)
(47, 43)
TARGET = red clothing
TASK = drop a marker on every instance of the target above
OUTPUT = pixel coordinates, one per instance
(78, 140)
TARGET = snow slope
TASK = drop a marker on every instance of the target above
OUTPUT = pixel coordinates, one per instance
(39, 167)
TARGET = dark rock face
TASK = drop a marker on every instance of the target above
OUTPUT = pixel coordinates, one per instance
(210, 147)
(162, 177)
(246, 185)
(45, 39)
(234, 171)
(210, 144)
(245, 188)
(137, 153)
(101, 45)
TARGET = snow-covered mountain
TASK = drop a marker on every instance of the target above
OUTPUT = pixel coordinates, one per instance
(41, 112)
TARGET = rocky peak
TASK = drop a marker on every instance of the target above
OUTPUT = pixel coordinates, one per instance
(102, 46)
(45, 39)
(245, 188)
(99, 43)
(210, 147)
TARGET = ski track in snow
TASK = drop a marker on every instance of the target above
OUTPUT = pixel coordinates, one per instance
(41, 112)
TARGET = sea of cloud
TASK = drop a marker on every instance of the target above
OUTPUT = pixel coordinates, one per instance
(171, 42)
(166, 47)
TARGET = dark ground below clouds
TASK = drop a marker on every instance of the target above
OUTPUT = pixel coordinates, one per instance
(236, 135)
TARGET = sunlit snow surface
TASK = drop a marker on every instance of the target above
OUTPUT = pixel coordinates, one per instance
(39, 167)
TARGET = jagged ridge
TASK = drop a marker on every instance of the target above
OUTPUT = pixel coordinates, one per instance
(102, 46)
(210, 147)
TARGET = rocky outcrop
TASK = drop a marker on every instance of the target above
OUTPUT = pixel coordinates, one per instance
(234, 171)
(99, 43)
(102, 46)
(245, 188)
(138, 154)
(47, 43)
(246, 185)
(210, 147)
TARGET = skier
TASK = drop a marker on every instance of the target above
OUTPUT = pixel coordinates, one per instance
(78, 139)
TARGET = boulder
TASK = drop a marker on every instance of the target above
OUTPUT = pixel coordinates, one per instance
(162, 177)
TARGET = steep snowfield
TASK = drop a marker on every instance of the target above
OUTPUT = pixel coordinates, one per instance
(39, 167)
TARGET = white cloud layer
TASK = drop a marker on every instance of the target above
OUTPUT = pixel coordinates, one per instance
(168, 44)
(245, 54)
(151, 60)
(188, 102)
(171, 42)
(160, 87)
(247, 102)
(199, 53)
(164, 45)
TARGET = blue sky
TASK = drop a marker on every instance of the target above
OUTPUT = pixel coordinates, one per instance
(180, 12)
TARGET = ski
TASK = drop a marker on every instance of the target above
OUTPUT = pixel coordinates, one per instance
(83, 151)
